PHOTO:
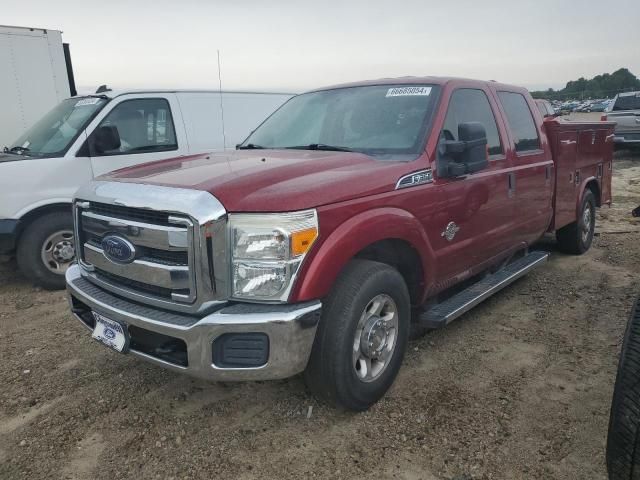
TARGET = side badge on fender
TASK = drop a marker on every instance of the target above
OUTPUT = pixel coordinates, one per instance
(450, 231)
(416, 178)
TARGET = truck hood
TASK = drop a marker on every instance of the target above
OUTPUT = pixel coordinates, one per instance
(272, 180)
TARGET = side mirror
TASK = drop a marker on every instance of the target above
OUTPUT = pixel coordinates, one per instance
(105, 139)
(466, 155)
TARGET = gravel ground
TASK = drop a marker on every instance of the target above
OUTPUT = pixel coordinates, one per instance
(518, 388)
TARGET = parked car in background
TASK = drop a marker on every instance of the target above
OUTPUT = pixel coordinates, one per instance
(598, 107)
(546, 109)
(83, 137)
(349, 208)
(625, 111)
(568, 107)
(36, 76)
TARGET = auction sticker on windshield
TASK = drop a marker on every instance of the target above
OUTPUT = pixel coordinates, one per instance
(407, 91)
(109, 332)
(87, 101)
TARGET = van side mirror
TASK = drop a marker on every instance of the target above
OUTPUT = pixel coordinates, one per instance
(105, 139)
(466, 155)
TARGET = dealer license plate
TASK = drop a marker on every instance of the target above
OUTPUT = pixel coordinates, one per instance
(110, 332)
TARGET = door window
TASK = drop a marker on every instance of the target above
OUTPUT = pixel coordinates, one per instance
(144, 125)
(520, 121)
(472, 105)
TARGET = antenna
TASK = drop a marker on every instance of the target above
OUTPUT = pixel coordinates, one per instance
(224, 136)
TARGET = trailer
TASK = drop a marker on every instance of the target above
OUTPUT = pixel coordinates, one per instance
(36, 75)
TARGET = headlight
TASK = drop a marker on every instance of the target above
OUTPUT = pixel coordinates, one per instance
(267, 251)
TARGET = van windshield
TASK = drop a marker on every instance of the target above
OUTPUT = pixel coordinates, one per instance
(379, 120)
(52, 135)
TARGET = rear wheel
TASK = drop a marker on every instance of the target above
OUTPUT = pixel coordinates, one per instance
(362, 337)
(46, 250)
(623, 442)
(576, 237)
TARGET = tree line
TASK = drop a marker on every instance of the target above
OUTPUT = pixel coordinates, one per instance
(605, 85)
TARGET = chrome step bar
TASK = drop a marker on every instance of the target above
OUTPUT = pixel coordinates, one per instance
(444, 313)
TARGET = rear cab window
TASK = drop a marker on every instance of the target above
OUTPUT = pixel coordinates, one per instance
(521, 121)
(472, 105)
(626, 101)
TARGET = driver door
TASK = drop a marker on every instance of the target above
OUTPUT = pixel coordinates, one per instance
(477, 216)
(146, 128)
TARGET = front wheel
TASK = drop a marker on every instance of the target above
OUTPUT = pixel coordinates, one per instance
(362, 337)
(576, 237)
(46, 249)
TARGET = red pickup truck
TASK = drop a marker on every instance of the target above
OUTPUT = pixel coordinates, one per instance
(350, 216)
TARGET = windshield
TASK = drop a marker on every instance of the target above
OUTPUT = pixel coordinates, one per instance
(376, 120)
(53, 133)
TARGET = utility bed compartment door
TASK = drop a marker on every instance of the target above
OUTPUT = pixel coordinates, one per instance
(565, 155)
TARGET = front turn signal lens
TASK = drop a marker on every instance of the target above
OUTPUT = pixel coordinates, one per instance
(302, 241)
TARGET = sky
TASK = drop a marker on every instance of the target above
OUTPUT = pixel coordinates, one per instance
(292, 46)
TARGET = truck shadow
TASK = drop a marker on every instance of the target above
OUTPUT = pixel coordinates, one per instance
(10, 274)
(627, 153)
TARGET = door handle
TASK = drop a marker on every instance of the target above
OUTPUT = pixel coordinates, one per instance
(567, 142)
(511, 182)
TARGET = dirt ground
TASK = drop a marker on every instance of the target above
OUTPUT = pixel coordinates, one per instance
(518, 388)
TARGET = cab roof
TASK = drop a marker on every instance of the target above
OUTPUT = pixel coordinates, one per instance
(411, 80)
(118, 92)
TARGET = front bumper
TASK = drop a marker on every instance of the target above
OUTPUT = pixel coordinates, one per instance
(8, 234)
(290, 330)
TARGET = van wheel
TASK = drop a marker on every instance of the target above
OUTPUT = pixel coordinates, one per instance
(362, 336)
(46, 250)
(576, 237)
(623, 441)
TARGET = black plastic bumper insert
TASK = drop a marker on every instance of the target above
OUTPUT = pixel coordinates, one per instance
(241, 350)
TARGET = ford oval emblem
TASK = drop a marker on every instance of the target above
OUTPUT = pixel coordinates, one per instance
(118, 249)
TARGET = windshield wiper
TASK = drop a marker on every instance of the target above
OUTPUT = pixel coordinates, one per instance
(250, 146)
(18, 150)
(320, 146)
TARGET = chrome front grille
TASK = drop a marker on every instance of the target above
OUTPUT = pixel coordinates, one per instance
(180, 254)
(163, 251)
(128, 213)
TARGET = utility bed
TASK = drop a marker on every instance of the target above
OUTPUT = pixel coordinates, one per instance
(583, 155)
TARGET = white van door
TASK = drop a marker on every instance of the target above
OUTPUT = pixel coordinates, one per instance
(148, 127)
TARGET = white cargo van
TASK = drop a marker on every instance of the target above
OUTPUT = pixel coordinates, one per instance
(87, 136)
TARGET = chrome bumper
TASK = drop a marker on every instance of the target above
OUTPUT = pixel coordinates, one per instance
(290, 330)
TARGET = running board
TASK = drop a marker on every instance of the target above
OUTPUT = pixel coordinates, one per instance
(444, 313)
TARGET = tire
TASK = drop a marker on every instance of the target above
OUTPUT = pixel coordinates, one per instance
(623, 441)
(46, 237)
(576, 237)
(337, 372)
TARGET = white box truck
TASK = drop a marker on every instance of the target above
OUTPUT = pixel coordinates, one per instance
(36, 75)
(86, 136)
